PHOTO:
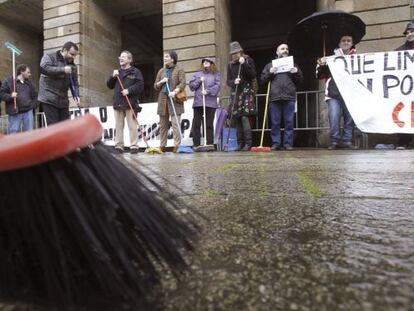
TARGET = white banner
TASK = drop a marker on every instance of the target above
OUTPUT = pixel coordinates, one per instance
(377, 89)
(148, 119)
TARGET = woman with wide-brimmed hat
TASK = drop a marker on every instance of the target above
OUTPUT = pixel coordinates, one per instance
(205, 83)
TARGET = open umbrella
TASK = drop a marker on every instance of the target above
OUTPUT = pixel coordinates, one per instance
(320, 32)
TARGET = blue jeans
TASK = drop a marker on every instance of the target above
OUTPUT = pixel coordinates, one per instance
(336, 109)
(282, 109)
(16, 120)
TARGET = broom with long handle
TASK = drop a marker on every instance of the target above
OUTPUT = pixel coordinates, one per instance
(78, 227)
(144, 138)
(181, 148)
(261, 148)
(205, 147)
(232, 107)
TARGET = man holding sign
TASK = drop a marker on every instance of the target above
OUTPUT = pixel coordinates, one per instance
(284, 77)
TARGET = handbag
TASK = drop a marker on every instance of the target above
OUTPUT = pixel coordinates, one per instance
(181, 97)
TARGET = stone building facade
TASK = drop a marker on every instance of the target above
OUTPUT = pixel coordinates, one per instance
(195, 28)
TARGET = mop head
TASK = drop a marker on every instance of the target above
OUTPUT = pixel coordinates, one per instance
(184, 149)
(78, 227)
(260, 149)
(153, 151)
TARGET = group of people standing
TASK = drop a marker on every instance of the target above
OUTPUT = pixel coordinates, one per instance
(59, 75)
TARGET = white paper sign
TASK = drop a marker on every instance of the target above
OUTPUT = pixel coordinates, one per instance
(283, 64)
(378, 89)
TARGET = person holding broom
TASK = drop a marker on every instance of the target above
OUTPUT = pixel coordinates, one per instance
(172, 74)
(205, 83)
(26, 100)
(241, 76)
(128, 84)
(58, 75)
(282, 99)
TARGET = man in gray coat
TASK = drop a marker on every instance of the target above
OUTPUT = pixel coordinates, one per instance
(58, 75)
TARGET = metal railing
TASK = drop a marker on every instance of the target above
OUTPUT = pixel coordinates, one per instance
(307, 115)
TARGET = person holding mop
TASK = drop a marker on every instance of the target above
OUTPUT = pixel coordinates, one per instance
(169, 82)
(206, 86)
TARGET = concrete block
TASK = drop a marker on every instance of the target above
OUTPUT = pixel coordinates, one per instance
(364, 5)
(189, 29)
(382, 16)
(61, 21)
(190, 41)
(186, 5)
(379, 45)
(188, 17)
(62, 10)
(61, 31)
(59, 41)
(48, 4)
(196, 52)
(345, 5)
(393, 29)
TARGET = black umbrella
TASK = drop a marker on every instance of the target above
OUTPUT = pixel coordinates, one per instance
(320, 32)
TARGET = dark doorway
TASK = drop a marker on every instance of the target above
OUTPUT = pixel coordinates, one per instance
(260, 26)
(142, 36)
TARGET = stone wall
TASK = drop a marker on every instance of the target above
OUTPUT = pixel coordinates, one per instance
(190, 29)
(385, 20)
(101, 45)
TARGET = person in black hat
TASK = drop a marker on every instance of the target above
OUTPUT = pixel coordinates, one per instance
(241, 76)
(405, 139)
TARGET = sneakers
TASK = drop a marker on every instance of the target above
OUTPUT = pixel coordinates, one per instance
(400, 148)
(288, 148)
(333, 147)
(134, 150)
(275, 148)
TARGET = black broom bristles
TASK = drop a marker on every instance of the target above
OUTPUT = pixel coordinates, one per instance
(84, 228)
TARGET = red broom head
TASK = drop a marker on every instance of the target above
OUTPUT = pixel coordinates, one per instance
(260, 149)
(39, 146)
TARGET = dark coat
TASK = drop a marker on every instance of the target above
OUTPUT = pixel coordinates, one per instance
(54, 83)
(133, 81)
(177, 80)
(247, 73)
(406, 46)
(331, 89)
(283, 85)
(212, 83)
(24, 102)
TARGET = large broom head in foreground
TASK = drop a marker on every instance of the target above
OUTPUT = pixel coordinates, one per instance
(77, 226)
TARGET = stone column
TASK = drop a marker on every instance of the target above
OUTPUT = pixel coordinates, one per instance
(196, 29)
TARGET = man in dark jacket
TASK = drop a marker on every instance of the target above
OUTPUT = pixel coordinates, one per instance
(19, 103)
(405, 139)
(132, 87)
(282, 99)
(58, 75)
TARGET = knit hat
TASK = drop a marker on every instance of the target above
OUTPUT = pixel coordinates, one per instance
(209, 59)
(410, 25)
(235, 47)
(173, 55)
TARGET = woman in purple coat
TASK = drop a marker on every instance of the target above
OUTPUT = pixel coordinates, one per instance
(211, 78)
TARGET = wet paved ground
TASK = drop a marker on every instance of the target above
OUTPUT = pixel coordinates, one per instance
(301, 230)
